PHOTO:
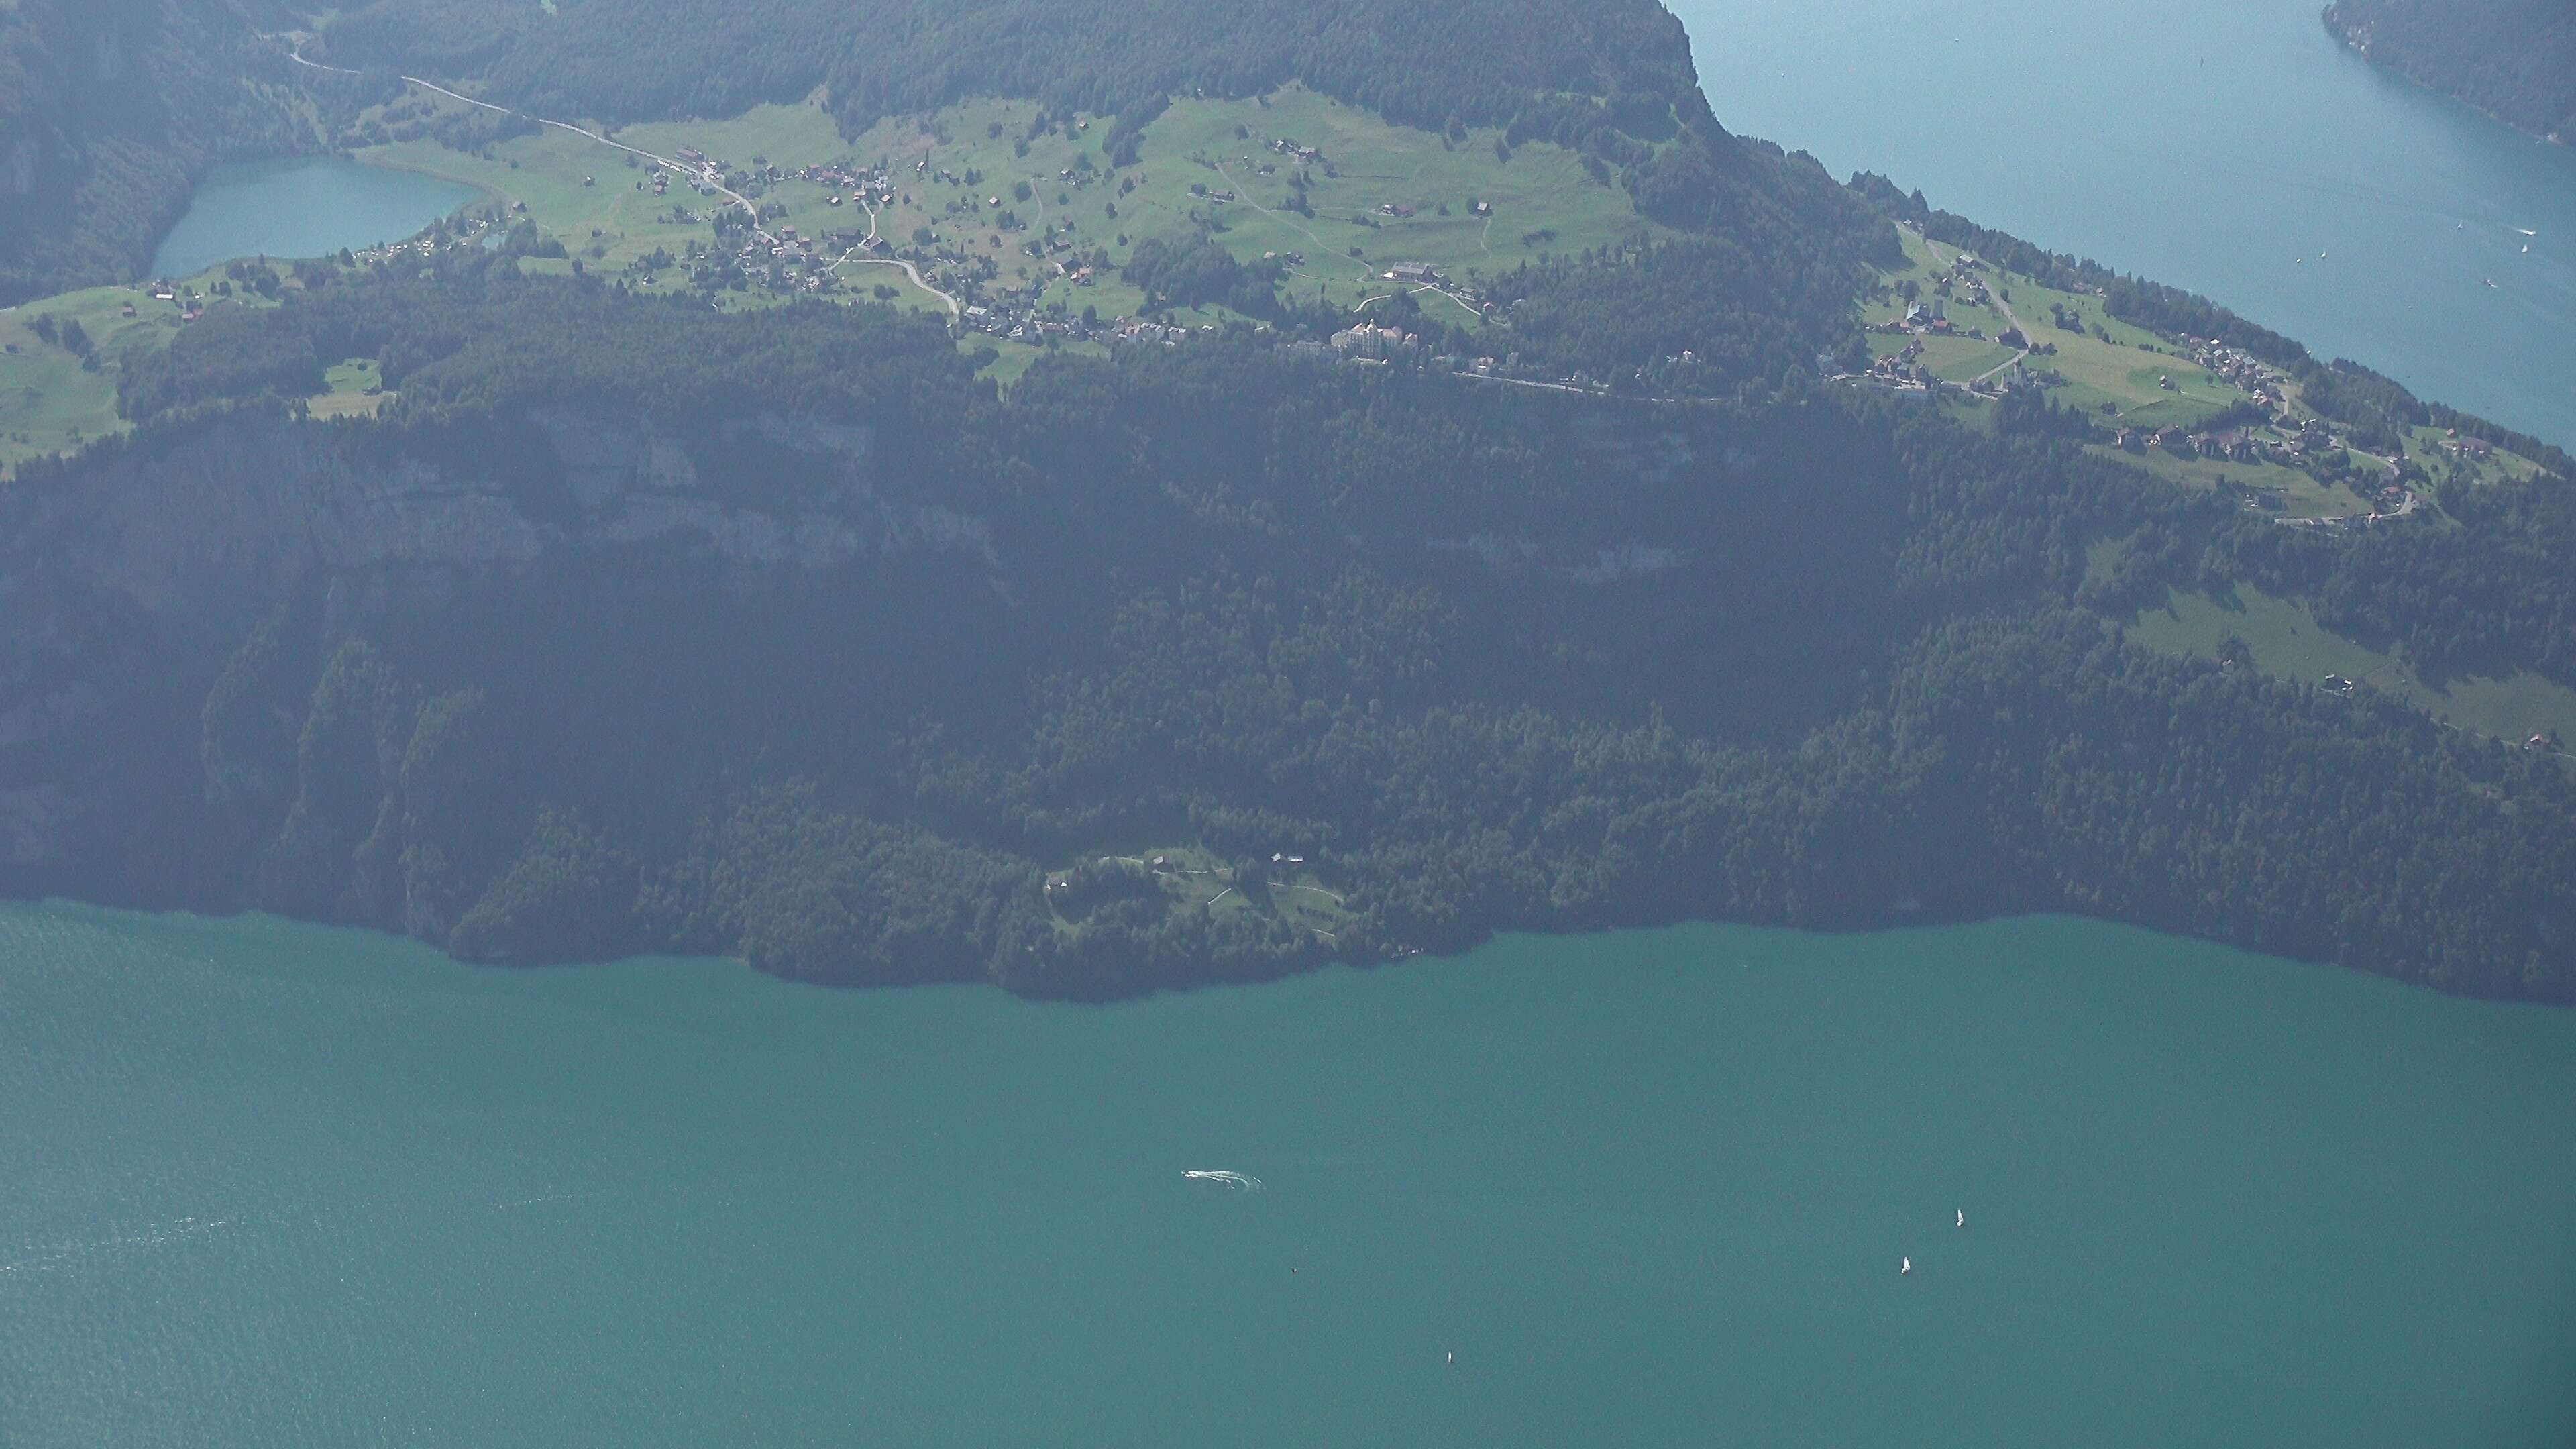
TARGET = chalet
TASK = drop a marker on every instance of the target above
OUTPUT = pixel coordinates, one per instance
(2233, 445)
(1413, 272)
(693, 154)
(1481, 208)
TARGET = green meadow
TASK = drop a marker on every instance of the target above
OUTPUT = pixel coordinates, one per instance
(1192, 878)
(1381, 194)
(50, 402)
(2284, 638)
(2125, 372)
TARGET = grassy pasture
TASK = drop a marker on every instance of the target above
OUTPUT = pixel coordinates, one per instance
(50, 403)
(345, 390)
(2302, 496)
(1543, 201)
(2122, 371)
(1198, 879)
(2286, 639)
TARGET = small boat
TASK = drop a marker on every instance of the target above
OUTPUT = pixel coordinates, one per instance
(2526, 246)
(2321, 256)
(2490, 281)
(2526, 231)
(1906, 1267)
(1963, 1217)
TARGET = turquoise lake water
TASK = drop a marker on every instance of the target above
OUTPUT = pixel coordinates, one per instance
(304, 206)
(280, 1185)
(2219, 145)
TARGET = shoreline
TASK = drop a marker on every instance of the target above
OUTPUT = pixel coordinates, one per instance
(2345, 37)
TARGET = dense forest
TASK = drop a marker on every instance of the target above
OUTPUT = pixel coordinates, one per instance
(1421, 64)
(633, 625)
(2513, 59)
(109, 113)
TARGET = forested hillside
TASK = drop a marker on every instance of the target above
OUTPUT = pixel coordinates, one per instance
(615, 616)
(636, 626)
(1422, 64)
(109, 112)
(2513, 59)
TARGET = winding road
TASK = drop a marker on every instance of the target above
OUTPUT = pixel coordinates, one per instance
(706, 177)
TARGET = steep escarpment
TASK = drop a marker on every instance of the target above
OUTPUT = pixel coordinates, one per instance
(632, 625)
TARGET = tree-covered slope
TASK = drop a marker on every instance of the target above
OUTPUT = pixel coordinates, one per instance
(109, 113)
(1422, 63)
(2513, 59)
(632, 625)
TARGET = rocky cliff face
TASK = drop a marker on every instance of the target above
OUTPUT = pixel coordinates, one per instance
(18, 166)
(129, 585)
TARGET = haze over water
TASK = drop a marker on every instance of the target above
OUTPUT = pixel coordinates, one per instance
(282, 1185)
(2219, 145)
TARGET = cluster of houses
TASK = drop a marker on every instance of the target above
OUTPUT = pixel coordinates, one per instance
(1027, 325)
(1964, 275)
(1925, 319)
(2240, 369)
(867, 185)
(2472, 450)
(2290, 447)
(704, 173)
(1138, 330)
(1379, 344)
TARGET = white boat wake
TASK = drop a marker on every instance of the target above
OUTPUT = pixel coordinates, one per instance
(48, 1257)
(1234, 1181)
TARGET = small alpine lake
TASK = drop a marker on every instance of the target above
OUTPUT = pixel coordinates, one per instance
(301, 206)
(289, 1185)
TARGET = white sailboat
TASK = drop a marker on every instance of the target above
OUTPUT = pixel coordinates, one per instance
(1963, 1217)
(1905, 1267)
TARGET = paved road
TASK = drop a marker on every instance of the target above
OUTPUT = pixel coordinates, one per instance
(684, 168)
(295, 53)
